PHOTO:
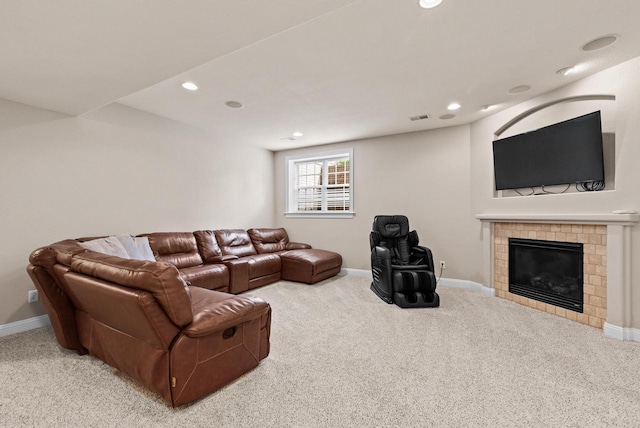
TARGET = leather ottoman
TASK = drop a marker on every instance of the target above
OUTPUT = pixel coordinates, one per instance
(310, 265)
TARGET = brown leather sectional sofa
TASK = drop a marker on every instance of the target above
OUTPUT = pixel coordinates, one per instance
(174, 324)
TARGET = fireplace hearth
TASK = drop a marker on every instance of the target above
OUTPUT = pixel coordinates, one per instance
(547, 271)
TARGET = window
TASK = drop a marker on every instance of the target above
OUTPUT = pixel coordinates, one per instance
(320, 185)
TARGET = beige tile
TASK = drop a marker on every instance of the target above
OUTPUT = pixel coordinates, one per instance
(595, 322)
(595, 259)
(595, 280)
(595, 301)
(562, 312)
(589, 289)
(561, 236)
(571, 315)
(588, 309)
(588, 228)
(576, 228)
(582, 318)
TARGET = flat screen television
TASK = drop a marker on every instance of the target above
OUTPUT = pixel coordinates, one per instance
(563, 153)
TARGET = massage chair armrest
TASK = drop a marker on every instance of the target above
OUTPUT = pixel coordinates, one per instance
(296, 246)
(423, 256)
(381, 259)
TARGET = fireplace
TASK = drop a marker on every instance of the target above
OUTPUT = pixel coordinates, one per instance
(547, 271)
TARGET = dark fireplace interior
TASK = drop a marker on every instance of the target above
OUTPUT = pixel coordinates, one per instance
(547, 271)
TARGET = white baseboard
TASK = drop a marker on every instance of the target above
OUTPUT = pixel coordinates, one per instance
(24, 325)
(621, 333)
(469, 285)
(445, 282)
(356, 272)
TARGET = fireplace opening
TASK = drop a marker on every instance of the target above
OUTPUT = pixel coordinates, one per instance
(547, 271)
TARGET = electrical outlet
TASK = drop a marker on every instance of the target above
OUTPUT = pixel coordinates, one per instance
(32, 296)
(443, 265)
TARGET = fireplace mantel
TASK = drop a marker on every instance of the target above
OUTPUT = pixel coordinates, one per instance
(618, 256)
(626, 219)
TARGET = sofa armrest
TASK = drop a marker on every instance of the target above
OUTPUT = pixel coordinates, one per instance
(296, 246)
(220, 259)
(214, 312)
(238, 275)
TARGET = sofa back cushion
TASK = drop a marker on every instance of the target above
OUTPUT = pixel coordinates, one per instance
(269, 240)
(178, 248)
(207, 245)
(162, 280)
(234, 242)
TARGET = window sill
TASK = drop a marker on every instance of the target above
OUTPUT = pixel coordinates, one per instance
(316, 214)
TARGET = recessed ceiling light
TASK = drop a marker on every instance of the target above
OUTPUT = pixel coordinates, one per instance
(447, 116)
(565, 71)
(234, 104)
(487, 107)
(190, 86)
(297, 134)
(599, 43)
(428, 4)
(519, 89)
(453, 106)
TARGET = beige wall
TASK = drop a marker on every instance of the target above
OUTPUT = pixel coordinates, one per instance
(621, 117)
(126, 171)
(446, 177)
(117, 170)
(424, 175)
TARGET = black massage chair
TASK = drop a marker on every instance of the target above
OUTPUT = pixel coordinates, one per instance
(403, 271)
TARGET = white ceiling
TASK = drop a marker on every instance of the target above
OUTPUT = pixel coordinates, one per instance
(335, 70)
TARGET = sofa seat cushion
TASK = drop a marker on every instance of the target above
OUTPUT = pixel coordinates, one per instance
(263, 265)
(310, 265)
(210, 276)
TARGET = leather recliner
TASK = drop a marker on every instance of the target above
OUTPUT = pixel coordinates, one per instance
(403, 271)
(181, 342)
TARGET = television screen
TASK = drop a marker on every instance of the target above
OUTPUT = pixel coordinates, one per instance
(564, 153)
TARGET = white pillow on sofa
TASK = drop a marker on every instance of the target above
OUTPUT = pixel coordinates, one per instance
(137, 248)
(110, 245)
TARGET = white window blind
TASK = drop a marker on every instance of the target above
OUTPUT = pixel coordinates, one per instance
(320, 184)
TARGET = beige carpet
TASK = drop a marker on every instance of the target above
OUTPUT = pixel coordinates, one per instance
(340, 357)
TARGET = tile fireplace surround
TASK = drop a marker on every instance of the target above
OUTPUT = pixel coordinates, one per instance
(607, 262)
